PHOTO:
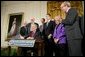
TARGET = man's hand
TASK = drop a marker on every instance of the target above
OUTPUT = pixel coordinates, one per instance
(30, 38)
(49, 36)
(21, 37)
(56, 40)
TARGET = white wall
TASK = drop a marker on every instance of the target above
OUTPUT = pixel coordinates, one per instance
(37, 9)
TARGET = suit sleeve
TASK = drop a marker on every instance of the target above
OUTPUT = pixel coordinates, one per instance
(22, 31)
(55, 33)
(53, 28)
(71, 17)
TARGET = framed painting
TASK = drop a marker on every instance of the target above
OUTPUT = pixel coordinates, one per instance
(15, 21)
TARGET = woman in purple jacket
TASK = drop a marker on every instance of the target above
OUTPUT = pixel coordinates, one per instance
(59, 37)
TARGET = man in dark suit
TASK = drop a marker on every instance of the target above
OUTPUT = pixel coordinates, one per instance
(81, 23)
(73, 32)
(48, 32)
(42, 26)
(33, 33)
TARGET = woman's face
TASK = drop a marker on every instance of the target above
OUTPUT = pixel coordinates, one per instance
(42, 20)
(57, 19)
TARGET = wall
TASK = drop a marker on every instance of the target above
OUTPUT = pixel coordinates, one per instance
(37, 9)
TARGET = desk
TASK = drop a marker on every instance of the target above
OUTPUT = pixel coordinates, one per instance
(39, 45)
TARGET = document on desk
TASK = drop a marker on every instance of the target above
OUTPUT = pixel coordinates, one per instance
(22, 43)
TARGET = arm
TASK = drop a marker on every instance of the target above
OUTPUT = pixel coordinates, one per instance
(70, 18)
(52, 28)
(55, 33)
(22, 31)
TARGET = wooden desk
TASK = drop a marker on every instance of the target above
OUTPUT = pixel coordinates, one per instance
(39, 45)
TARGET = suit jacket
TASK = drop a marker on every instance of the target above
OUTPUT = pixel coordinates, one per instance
(72, 25)
(23, 31)
(48, 29)
(42, 30)
(81, 23)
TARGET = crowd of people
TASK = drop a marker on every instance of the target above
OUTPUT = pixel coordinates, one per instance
(61, 36)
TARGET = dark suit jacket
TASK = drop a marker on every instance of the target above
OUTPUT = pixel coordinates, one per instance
(81, 24)
(48, 29)
(72, 25)
(23, 31)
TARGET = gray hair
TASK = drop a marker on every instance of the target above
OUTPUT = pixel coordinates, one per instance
(67, 3)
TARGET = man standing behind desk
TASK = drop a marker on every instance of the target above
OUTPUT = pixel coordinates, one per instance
(73, 32)
(42, 26)
(48, 32)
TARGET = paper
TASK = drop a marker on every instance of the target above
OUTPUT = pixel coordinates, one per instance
(22, 43)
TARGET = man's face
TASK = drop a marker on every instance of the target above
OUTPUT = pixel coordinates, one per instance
(33, 27)
(47, 17)
(42, 20)
(63, 7)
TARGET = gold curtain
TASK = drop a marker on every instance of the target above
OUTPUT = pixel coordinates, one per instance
(53, 7)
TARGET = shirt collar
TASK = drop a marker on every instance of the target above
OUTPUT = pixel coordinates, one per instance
(67, 10)
(48, 20)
